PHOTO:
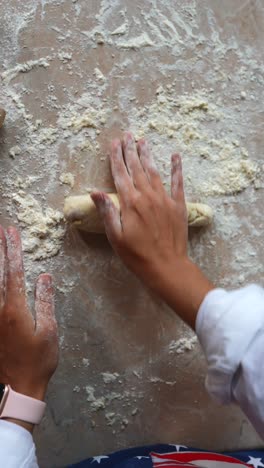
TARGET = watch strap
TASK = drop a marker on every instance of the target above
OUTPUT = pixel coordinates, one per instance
(22, 407)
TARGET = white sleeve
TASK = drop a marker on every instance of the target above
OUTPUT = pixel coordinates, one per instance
(230, 328)
(17, 448)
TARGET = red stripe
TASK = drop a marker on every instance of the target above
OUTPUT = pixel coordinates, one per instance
(189, 457)
(172, 465)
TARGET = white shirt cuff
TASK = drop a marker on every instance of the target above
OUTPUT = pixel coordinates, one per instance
(17, 448)
(226, 325)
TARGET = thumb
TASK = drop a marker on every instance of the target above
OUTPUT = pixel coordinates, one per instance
(109, 213)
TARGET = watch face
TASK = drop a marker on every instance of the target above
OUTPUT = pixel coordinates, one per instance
(2, 391)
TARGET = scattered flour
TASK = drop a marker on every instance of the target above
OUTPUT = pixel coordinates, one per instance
(43, 230)
(159, 380)
(122, 29)
(99, 75)
(65, 57)
(222, 164)
(14, 151)
(94, 116)
(96, 404)
(86, 362)
(182, 345)
(111, 418)
(136, 42)
(12, 73)
(67, 178)
(76, 389)
(109, 378)
(202, 121)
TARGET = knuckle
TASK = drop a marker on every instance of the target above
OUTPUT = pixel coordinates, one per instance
(135, 200)
(153, 171)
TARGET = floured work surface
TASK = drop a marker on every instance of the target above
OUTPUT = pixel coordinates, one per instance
(74, 74)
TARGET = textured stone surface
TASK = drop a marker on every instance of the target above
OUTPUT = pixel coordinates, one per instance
(104, 62)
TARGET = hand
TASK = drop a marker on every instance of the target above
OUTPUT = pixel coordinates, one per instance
(153, 227)
(150, 233)
(28, 347)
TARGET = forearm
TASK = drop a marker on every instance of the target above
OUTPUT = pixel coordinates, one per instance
(183, 286)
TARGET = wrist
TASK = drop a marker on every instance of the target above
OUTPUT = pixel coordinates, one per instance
(183, 286)
(28, 426)
(23, 405)
(33, 391)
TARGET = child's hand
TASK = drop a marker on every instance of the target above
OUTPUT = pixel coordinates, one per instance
(151, 230)
(150, 233)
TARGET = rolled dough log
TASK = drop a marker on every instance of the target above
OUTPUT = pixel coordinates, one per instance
(81, 211)
(2, 116)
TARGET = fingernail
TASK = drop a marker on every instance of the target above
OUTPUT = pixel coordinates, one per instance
(176, 159)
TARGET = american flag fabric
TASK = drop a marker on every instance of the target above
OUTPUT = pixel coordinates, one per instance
(170, 456)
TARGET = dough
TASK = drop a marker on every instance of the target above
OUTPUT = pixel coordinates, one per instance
(2, 116)
(81, 211)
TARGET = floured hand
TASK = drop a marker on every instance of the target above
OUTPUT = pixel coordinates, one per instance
(150, 231)
(28, 347)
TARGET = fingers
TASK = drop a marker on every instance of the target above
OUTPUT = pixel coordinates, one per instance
(121, 177)
(15, 295)
(177, 190)
(133, 162)
(3, 266)
(149, 165)
(44, 306)
(109, 214)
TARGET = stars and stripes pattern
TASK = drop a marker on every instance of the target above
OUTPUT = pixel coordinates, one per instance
(192, 459)
(170, 456)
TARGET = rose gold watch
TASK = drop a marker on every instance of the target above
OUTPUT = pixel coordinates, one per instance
(17, 406)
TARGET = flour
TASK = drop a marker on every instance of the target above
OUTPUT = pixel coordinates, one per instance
(76, 389)
(122, 29)
(67, 178)
(99, 75)
(89, 119)
(65, 57)
(111, 418)
(109, 378)
(43, 230)
(114, 396)
(184, 80)
(25, 182)
(159, 380)
(86, 362)
(14, 151)
(12, 73)
(182, 345)
(223, 164)
(96, 404)
(43, 137)
(136, 42)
